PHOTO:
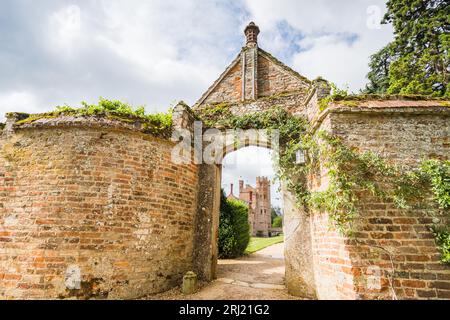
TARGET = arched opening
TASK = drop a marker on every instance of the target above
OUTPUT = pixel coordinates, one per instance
(248, 178)
(295, 265)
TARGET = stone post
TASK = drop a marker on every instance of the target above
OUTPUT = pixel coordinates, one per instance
(190, 285)
(11, 119)
(182, 117)
(323, 88)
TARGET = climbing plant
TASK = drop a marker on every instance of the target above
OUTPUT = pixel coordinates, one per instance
(442, 236)
(352, 174)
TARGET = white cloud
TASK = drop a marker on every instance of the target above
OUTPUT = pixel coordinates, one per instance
(155, 52)
(247, 164)
(335, 60)
(338, 36)
(17, 101)
(64, 28)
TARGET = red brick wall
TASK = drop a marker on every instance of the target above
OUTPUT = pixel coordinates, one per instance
(396, 243)
(105, 202)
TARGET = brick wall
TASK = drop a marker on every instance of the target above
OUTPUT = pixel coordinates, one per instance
(272, 79)
(396, 244)
(229, 89)
(264, 76)
(101, 207)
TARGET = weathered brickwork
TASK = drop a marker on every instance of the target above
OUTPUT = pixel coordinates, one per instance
(255, 74)
(293, 102)
(393, 253)
(229, 88)
(92, 213)
(95, 208)
(273, 78)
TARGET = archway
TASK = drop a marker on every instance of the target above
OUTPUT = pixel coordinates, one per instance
(296, 263)
(260, 271)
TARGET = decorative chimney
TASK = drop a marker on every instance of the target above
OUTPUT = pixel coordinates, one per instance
(252, 32)
(249, 64)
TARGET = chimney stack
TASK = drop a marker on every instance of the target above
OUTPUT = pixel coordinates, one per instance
(251, 33)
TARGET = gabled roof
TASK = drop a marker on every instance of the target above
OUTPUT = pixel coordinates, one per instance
(222, 76)
(261, 53)
(270, 57)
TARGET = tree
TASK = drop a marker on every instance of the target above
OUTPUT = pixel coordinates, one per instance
(379, 71)
(274, 212)
(234, 230)
(277, 222)
(418, 58)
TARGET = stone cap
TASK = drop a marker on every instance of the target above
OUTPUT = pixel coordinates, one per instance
(398, 103)
(100, 122)
(404, 107)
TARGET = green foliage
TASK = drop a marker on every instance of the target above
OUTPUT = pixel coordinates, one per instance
(379, 71)
(417, 60)
(274, 212)
(2, 126)
(290, 128)
(277, 222)
(158, 123)
(234, 230)
(438, 173)
(442, 236)
(215, 113)
(352, 175)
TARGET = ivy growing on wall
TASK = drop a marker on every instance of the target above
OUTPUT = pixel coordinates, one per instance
(352, 174)
(442, 236)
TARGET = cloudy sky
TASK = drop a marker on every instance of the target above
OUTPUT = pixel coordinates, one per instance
(156, 52)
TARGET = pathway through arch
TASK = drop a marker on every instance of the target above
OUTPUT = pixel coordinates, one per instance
(257, 276)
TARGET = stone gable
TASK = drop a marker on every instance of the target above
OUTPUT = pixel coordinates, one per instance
(254, 74)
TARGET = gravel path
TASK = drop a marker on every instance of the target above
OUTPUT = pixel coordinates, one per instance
(256, 276)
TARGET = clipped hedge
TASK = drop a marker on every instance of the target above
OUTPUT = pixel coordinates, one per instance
(234, 230)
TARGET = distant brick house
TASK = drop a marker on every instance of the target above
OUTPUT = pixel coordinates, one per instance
(258, 200)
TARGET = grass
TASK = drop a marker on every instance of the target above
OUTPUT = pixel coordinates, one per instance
(257, 244)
